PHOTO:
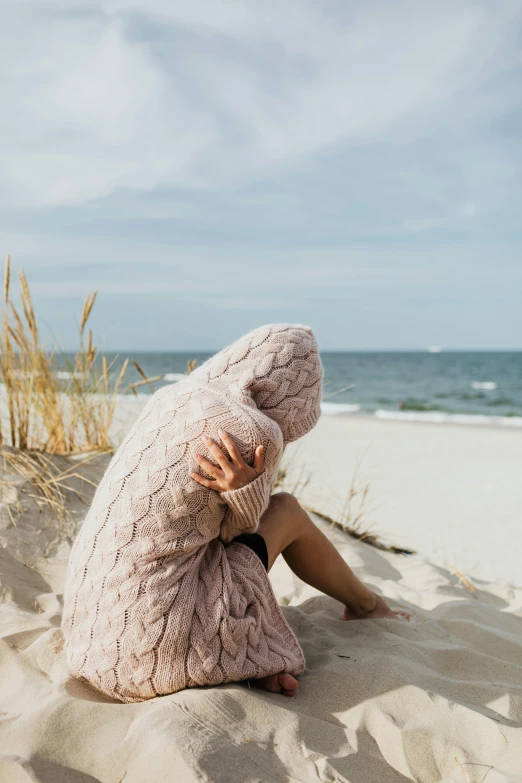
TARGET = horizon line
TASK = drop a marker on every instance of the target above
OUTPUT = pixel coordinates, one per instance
(321, 350)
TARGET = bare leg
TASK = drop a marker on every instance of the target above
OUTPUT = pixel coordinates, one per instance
(288, 530)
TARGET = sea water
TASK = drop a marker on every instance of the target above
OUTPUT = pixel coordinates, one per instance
(462, 387)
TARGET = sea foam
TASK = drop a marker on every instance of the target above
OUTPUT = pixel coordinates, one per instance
(339, 408)
(436, 417)
(486, 385)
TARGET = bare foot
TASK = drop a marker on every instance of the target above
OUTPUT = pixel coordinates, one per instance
(277, 683)
(373, 610)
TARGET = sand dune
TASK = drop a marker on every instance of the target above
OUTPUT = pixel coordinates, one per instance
(436, 699)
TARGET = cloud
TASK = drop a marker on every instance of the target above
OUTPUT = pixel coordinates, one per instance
(122, 94)
(339, 158)
(91, 112)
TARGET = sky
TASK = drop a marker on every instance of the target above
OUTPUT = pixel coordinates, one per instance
(212, 166)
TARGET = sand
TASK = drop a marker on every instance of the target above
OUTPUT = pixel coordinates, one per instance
(451, 492)
(435, 699)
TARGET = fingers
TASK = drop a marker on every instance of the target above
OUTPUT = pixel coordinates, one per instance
(206, 482)
(232, 449)
(235, 454)
(228, 474)
(208, 467)
(218, 455)
(259, 459)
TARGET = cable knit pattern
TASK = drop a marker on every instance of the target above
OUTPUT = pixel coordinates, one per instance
(158, 597)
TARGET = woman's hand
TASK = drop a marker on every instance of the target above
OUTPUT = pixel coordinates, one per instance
(232, 471)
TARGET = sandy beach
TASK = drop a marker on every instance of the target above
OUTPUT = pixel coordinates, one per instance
(435, 699)
(451, 492)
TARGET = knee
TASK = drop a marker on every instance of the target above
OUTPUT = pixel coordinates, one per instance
(284, 519)
(285, 501)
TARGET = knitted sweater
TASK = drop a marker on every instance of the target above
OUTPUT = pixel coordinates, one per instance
(156, 597)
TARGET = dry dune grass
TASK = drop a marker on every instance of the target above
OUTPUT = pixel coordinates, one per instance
(46, 411)
(43, 497)
(54, 420)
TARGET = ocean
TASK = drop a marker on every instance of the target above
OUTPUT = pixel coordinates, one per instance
(462, 387)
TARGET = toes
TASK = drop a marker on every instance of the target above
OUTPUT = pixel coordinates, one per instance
(288, 684)
(272, 684)
(277, 683)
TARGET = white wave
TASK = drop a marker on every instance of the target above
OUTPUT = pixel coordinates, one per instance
(120, 397)
(487, 385)
(436, 417)
(129, 399)
(338, 408)
(23, 374)
(174, 376)
(64, 375)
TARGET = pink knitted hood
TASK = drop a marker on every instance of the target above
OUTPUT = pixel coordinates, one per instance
(277, 368)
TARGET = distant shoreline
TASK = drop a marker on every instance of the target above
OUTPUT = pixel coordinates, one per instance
(433, 417)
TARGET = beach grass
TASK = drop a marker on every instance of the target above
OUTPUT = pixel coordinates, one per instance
(48, 408)
(44, 407)
(48, 481)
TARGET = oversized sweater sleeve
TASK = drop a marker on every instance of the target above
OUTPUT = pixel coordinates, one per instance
(245, 507)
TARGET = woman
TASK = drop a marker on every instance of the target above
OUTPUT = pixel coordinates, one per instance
(167, 584)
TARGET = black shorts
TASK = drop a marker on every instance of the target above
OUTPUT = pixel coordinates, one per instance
(257, 544)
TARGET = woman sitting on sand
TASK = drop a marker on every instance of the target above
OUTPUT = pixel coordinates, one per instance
(167, 584)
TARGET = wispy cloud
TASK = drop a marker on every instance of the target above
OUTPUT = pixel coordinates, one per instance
(127, 94)
(302, 147)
